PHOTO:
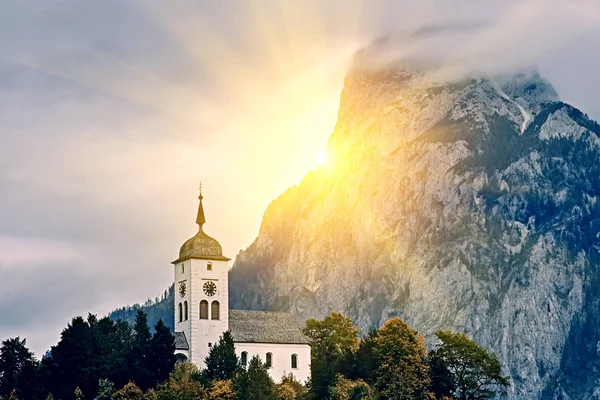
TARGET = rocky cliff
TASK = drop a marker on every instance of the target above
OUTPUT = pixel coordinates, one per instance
(469, 205)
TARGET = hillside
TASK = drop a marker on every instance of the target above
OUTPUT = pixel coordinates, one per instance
(469, 205)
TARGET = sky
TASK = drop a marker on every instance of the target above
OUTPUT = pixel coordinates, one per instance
(113, 111)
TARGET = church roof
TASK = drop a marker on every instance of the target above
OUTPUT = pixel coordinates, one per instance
(248, 326)
(201, 245)
(181, 342)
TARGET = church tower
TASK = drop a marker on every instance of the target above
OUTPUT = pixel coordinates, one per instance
(201, 293)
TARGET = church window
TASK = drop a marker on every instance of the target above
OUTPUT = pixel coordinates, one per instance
(180, 313)
(214, 310)
(269, 363)
(185, 311)
(209, 266)
(204, 309)
(244, 358)
(294, 361)
(182, 268)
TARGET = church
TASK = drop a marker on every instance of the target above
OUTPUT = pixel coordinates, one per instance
(202, 314)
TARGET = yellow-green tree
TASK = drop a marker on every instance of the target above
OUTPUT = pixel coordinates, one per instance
(129, 392)
(221, 390)
(401, 355)
(182, 384)
(346, 389)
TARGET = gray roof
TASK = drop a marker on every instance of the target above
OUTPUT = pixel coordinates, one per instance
(181, 342)
(264, 327)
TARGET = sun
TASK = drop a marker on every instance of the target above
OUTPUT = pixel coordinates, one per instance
(321, 158)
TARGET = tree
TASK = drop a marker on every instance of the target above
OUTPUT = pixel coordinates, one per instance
(162, 350)
(401, 355)
(129, 392)
(476, 372)
(364, 365)
(442, 381)
(331, 340)
(141, 356)
(346, 389)
(222, 363)
(106, 390)
(221, 390)
(182, 384)
(18, 370)
(254, 383)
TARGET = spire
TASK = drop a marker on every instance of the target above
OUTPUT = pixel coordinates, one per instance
(200, 220)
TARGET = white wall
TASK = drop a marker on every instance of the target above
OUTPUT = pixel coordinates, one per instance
(282, 358)
(200, 332)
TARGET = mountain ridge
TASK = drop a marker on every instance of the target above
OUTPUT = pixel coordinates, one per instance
(446, 207)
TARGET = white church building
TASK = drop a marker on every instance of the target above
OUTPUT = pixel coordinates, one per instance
(202, 314)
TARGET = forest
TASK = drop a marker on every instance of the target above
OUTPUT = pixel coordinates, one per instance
(102, 359)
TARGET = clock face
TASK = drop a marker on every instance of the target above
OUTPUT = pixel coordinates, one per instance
(182, 289)
(210, 288)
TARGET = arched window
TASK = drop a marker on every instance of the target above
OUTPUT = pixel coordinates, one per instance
(269, 363)
(294, 361)
(180, 313)
(204, 309)
(244, 358)
(182, 268)
(209, 266)
(214, 310)
(185, 311)
(180, 358)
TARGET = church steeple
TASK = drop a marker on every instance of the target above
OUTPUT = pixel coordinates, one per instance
(200, 219)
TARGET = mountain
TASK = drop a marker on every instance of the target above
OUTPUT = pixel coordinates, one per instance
(469, 205)
(157, 309)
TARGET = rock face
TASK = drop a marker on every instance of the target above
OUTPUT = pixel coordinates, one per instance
(472, 206)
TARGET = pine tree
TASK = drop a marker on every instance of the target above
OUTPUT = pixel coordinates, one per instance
(106, 389)
(18, 370)
(141, 358)
(162, 350)
(254, 383)
(222, 363)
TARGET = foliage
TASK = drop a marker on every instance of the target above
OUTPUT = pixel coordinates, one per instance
(363, 365)
(162, 352)
(129, 392)
(442, 384)
(331, 341)
(161, 308)
(300, 390)
(346, 389)
(401, 354)
(78, 394)
(105, 390)
(285, 391)
(18, 370)
(477, 372)
(221, 390)
(254, 383)
(182, 384)
(222, 363)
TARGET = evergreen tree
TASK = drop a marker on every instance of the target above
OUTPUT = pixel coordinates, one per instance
(254, 383)
(141, 357)
(162, 349)
(364, 366)
(106, 389)
(476, 372)
(222, 363)
(401, 355)
(18, 370)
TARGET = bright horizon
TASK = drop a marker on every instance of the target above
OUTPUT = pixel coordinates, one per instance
(110, 121)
